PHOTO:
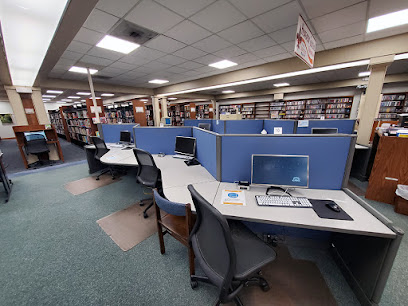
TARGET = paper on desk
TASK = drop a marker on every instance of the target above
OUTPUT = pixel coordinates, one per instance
(233, 197)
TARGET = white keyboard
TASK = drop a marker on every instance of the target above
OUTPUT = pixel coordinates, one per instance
(282, 201)
(182, 156)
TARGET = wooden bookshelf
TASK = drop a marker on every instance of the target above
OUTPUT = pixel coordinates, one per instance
(392, 105)
(121, 112)
(139, 111)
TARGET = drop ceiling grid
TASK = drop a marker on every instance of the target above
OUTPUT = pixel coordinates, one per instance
(278, 41)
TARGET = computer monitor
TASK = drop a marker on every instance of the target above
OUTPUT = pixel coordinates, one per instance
(325, 130)
(34, 135)
(166, 121)
(280, 170)
(185, 146)
(125, 136)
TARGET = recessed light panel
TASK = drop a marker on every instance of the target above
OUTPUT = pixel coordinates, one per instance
(171, 98)
(82, 70)
(48, 96)
(223, 64)
(387, 21)
(281, 84)
(116, 44)
(73, 97)
(66, 100)
(107, 95)
(83, 93)
(158, 81)
(364, 73)
(58, 92)
(228, 91)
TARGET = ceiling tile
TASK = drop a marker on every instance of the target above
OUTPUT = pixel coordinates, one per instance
(171, 60)
(381, 7)
(190, 65)
(279, 18)
(88, 36)
(212, 44)
(175, 69)
(100, 52)
(205, 69)
(244, 58)
(145, 69)
(230, 52)
(340, 18)
(344, 42)
(153, 16)
(118, 7)
(191, 73)
(316, 8)
(218, 16)
(185, 8)
(188, 32)
(189, 53)
(111, 72)
(164, 44)
(135, 60)
(79, 47)
(289, 46)
(253, 8)
(122, 65)
(157, 65)
(284, 35)
(96, 60)
(71, 55)
(278, 57)
(271, 51)
(343, 32)
(258, 43)
(208, 59)
(147, 53)
(241, 32)
(100, 21)
(65, 62)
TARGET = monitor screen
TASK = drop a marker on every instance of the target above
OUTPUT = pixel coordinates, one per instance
(325, 130)
(185, 145)
(280, 170)
(34, 135)
(167, 121)
(125, 136)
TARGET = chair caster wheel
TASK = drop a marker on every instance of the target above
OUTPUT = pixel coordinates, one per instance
(145, 215)
(113, 178)
(265, 287)
(193, 284)
(97, 178)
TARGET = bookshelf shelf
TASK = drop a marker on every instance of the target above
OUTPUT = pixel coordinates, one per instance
(392, 105)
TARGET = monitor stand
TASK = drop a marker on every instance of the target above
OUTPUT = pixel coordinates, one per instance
(277, 188)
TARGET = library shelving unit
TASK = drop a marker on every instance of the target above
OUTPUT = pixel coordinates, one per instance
(392, 105)
(248, 111)
(230, 109)
(177, 114)
(277, 109)
(262, 110)
(295, 109)
(315, 109)
(204, 111)
(78, 123)
(58, 121)
(149, 114)
(120, 113)
(338, 108)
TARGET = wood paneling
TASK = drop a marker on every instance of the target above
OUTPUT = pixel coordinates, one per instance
(29, 106)
(390, 169)
(139, 117)
(192, 114)
(89, 104)
(378, 123)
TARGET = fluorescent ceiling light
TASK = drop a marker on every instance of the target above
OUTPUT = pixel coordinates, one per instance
(144, 100)
(158, 81)
(46, 99)
(401, 56)
(27, 30)
(83, 100)
(58, 92)
(116, 44)
(387, 21)
(171, 98)
(82, 70)
(97, 97)
(83, 93)
(48, 96)
(223, 64)
(107, 95)
(273, 77)
(73, 97)
(228, 91)
(364, 73)
(281, 84)
(66, 100)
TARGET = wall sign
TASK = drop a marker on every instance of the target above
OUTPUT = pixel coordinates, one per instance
(29, 111)
(305, 44)
(277, 130)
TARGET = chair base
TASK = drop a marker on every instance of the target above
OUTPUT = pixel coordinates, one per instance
(40, 163)
(106, 171)
(150, 204)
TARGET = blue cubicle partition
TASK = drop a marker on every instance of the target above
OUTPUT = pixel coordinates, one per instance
(206, 150)
(288, 126)
(345, 126)
(219, 126)
(159, 139)
(328, 156)
(195, 122)
(111, 132)
(243, 126)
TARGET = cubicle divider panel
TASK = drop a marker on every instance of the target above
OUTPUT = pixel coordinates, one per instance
(327, 156)
(111, 132)
(288, 126)
(344, 126)
(218, 126)
(206, 150)
(243, 126)
(159, 139)
(195, 122)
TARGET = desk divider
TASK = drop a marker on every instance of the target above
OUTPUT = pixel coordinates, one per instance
(111, 132)
(254, 126)
(159, 139)
(345, 126)
(288, 126)
(195, 122)
(206, 150)
(218, 126)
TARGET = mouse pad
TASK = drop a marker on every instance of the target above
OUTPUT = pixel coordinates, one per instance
(319, 206)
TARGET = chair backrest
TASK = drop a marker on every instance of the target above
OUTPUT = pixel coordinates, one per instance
(148, 174)
(36, 146)
(212, 244)
(205, 126)
(172, 208)
(100, 145)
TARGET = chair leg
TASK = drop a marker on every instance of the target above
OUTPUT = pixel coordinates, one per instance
(161, 240)
(112, 173)
(101, 173)
(238, 301)
(258, 281)
(146, 209)
(191, 259)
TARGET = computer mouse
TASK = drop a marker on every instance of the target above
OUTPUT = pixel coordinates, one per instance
(333, 206)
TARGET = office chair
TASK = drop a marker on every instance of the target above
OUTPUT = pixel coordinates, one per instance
(178, 222)
(229, 259)
(205, 126)
(37, 146)
(101, 150)
(147, 174)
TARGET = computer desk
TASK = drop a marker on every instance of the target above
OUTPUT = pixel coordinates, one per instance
(364, 248)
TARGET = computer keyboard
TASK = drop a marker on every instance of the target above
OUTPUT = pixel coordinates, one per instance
(182, 156)
(282, 201)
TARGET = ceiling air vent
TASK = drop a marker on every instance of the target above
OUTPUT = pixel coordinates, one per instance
(100, 77)
(132, 32)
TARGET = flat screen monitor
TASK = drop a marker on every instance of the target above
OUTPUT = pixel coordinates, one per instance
(325, 130)
(167, 121)
(280, 170)
(34, 135)
(125, 136)
(185, 145)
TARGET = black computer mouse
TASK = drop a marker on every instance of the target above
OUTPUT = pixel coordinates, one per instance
(333, 206)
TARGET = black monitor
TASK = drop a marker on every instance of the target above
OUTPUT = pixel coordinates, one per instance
(185, 145)
(125, 136)
(280, 170)
(325, 130)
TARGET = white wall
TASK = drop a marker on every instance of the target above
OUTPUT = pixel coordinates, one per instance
(6, 129)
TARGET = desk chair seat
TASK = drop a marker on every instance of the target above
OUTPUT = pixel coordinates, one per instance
(101, 150)
(37, 146)
(230, 258)
(178, 222)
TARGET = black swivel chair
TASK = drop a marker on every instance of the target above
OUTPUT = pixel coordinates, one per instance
(205, 126)
(37, 145)
(147, 174)
(101, 150)
(231, 259)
